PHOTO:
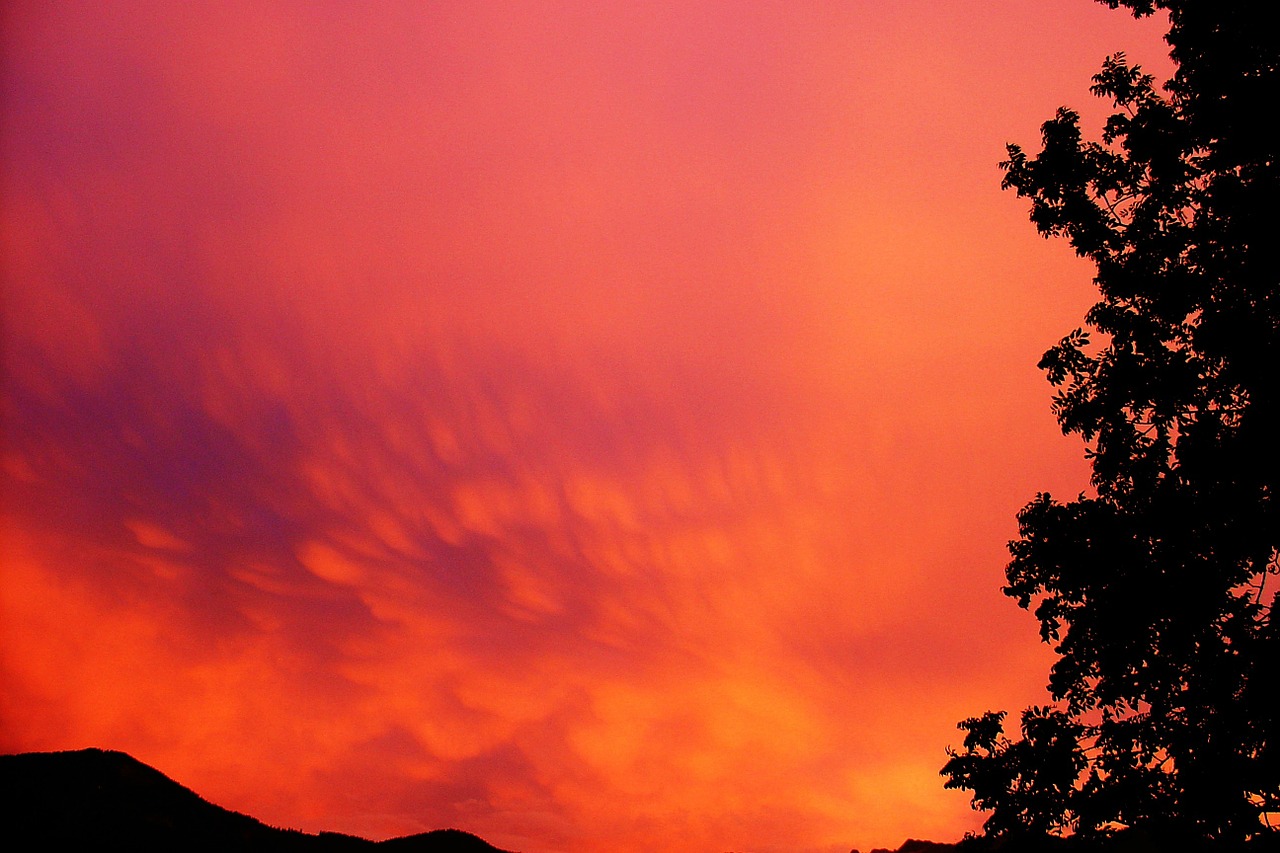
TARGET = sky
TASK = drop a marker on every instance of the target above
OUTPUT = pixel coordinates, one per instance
(595, 426)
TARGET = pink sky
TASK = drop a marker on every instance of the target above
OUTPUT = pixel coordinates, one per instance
(593, 426)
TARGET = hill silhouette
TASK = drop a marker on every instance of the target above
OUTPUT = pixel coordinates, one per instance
(105, 800)
(94, 799)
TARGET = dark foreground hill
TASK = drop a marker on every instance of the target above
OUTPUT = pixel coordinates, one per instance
(99, 800)
(94, 799)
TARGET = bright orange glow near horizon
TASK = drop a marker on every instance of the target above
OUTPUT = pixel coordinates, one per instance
(595, 426)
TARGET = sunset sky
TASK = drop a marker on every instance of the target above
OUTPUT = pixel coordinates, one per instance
(596, 426)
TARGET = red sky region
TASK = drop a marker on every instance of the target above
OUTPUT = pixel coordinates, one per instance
(595, 426)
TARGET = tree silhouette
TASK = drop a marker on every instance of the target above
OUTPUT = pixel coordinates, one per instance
(1152, 587)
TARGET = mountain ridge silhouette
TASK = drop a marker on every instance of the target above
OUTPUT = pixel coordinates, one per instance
(109, 800)
(98, 799)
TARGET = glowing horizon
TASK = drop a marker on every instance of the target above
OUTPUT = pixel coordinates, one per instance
(591, 429)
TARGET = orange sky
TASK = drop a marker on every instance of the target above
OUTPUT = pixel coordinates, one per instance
(594, 426)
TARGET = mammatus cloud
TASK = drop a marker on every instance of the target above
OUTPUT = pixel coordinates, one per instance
(523, 594)
(589, 431)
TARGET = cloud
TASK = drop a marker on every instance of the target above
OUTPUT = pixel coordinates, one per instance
(550, 591)
(588, 430)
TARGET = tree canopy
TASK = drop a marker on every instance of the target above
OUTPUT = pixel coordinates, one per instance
(1152, 586)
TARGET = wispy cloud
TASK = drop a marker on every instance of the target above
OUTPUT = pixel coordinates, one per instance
(591, 430)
